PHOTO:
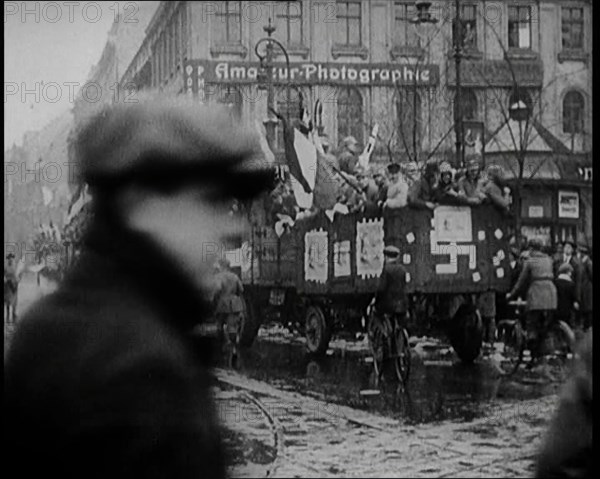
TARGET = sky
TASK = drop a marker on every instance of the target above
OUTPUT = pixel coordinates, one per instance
(48, 53)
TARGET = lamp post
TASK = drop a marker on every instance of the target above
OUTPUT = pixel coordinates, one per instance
(458, 117)
(265, 76)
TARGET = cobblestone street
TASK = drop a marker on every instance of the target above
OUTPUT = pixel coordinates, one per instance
(318, 439)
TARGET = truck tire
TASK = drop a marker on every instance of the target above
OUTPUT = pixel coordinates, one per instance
(466, 333)
(316, 330)
(249, 325)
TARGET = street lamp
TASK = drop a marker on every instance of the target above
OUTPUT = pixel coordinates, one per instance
(265, 77)
(458, 117)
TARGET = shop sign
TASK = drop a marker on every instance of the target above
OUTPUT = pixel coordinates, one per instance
(199, 72)
(568, 204)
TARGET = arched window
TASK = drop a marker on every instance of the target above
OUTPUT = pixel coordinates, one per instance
(573, 105)
(408, 110)
(293, 105)
(520, 105)
(468, 107)
(232, 97)
(350, 114)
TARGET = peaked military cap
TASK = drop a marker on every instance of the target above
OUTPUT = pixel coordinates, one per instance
(164, 141)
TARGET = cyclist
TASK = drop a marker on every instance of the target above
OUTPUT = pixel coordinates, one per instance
(391, 296)
(537, 276)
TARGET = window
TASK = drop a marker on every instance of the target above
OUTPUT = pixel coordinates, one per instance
(572, 28)
(468, 106)
(289, 22)
(468, 17)
(573, 105)
(408, 109)
(405, 33)
(349, 19)
(519, 27)
(350, 114)
(227, 24)
(285, 106)
(231, 96)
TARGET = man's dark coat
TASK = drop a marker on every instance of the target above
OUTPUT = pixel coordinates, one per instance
(391, 293)
(102, 379)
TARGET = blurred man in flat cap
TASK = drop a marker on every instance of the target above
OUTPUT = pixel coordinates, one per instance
(101, 379)
(397, 191)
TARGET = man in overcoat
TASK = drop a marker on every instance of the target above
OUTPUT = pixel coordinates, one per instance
(228, 301)
(537, 276)
(586, 300)
(102, 378)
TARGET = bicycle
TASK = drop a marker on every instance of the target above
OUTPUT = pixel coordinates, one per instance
(388, 341)
(512, 333)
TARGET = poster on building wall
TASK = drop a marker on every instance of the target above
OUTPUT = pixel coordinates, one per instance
(369, 248)
(341, 258)
(568, 204)
(473, 139)
(315, 256)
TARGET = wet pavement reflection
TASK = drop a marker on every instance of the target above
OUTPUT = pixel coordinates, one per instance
(439, 389)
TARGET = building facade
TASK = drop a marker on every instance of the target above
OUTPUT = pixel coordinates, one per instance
(369, 63)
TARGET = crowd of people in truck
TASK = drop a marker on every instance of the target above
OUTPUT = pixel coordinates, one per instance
(371, 190)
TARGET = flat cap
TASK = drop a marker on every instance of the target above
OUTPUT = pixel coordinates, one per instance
(390, 250)
(445, 167)
(161, 139)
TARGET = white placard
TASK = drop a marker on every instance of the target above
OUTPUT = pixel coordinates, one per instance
(315, 256)
(476, 277)
(500, 272)
(453, 223)
(406, 259)
(369, 248)
(481, 235)
(536, 211)
(410, 238)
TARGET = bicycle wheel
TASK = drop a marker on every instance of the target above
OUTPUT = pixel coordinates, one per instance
(377, 343)
(512, 336)
(401, 354)
(559, 345)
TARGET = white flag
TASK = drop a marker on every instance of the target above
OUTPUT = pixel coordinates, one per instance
(307, 157)
(264, 144)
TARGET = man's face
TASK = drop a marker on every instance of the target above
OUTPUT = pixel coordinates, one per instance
(568, 249)
(446, 178)
(378, 179)
(191, 225)
(394, 177)
(353, 148)
(473, 171)
(363, 180)
(412, 172)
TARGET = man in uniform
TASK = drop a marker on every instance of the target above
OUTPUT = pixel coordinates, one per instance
(102, 378)
(348, 155)
(229, 302)
(391, 295)
(470, 187)
(421, 193)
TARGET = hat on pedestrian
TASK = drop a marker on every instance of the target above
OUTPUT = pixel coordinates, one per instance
(583, 247)
(163, 141)
(393, 168)
(391, 251)
(565, 268)
(10, 255)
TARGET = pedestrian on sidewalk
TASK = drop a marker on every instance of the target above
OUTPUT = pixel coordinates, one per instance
(565, 293)
(102, 378)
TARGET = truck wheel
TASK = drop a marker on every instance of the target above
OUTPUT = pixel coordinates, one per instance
(249, 325)
(466, 333)
(316, 330)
